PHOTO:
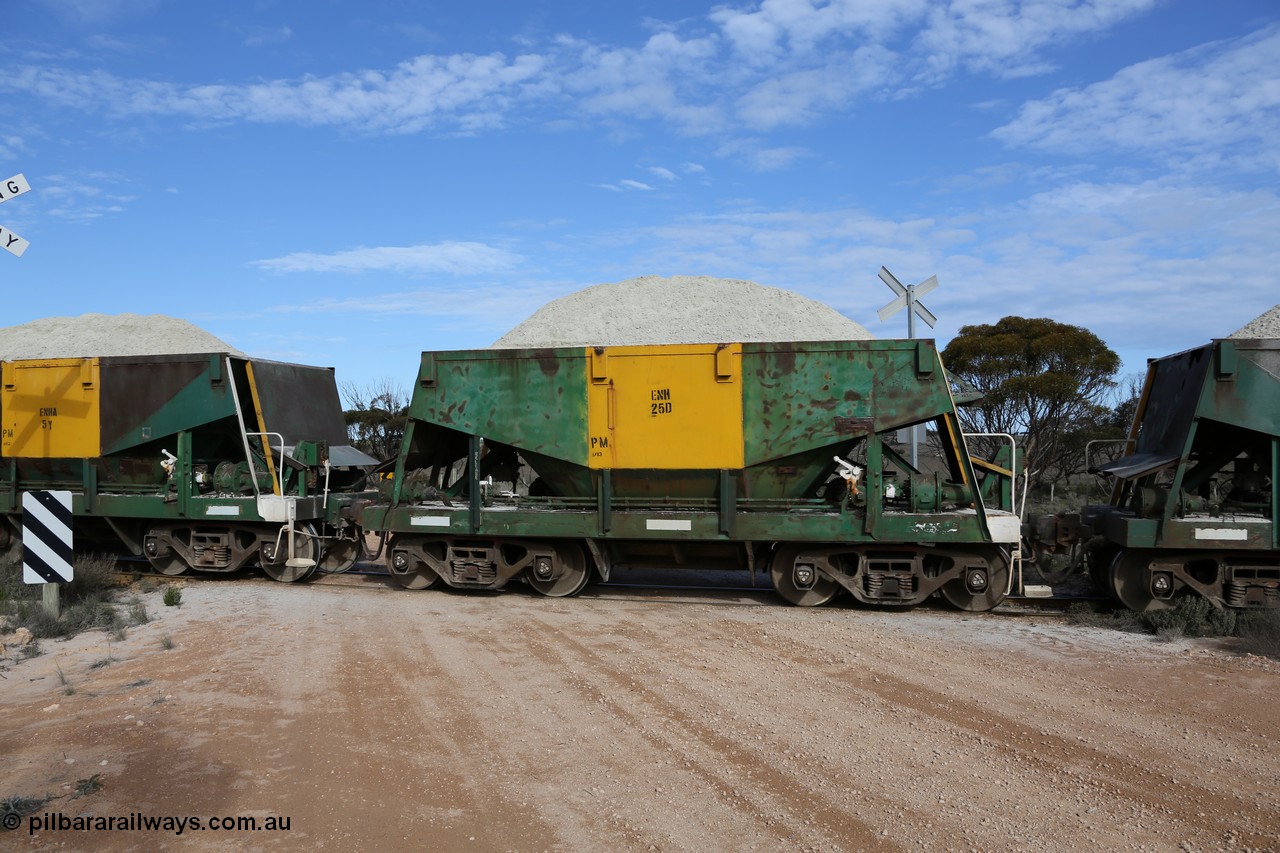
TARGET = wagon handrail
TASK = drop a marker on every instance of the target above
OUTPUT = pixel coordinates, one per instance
(1018, 501)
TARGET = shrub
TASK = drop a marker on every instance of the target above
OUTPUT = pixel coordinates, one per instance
(84, 787)
(1191, 616)
(86, 601)
(87, 614)
(172, 596)
(22, 806)
(138, 613)
(41, 625)
(1095, 616)
(1259, 632)
(93, 576)
(67, 687)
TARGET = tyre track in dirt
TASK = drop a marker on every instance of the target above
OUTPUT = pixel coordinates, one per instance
(585, 745)
(857, 746)
(388, 719)
(1121, 790)
(814, 819)
(1050, 757)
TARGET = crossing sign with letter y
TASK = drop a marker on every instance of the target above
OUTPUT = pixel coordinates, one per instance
(46, 537)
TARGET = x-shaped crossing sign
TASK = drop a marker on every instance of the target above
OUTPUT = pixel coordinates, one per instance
(908, 296)
(15, 186)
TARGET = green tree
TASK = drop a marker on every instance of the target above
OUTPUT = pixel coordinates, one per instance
(1043, 381)
(376, 417)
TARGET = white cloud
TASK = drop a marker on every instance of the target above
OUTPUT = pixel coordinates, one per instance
(760, 158)
(626, 185)
(796, 97)
(1193, 104)
(1155, 266)
(783, 62)
(466, 91)
(664, 174)
(1004, 36)
(80, 198)
(667, 78)
(459, 258)
(803, 25)
(11, 145)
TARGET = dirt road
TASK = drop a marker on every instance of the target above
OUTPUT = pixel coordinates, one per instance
(380, 719)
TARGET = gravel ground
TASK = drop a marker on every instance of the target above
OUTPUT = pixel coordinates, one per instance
(92, 335)
(634, 719)
(680, 310)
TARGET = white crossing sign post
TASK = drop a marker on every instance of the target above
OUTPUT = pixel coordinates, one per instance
(908, 296)
(15, 186)
(46, 543)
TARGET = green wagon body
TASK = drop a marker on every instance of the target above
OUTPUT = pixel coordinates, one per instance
(209, 461)
(1196, 504)
(749, 477)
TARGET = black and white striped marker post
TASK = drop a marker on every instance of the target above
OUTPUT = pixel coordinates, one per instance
(46, 543)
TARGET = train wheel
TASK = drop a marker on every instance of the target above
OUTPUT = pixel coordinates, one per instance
(410, 573)
(164, 561)
(1131, 582)
(169, 564)
(979, 589)
(800, 583)
(340, 555)
(567, 574)
(306, 546)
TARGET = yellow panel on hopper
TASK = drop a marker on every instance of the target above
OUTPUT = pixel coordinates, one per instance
(667, 407)
(50, 409)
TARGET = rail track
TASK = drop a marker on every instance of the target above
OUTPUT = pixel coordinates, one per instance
(693, 583)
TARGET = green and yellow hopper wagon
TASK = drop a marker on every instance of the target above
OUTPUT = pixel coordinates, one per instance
(207, 461)
(777, 456)
(1195, 504)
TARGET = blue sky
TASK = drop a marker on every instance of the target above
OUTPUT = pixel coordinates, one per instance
(349, 184)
